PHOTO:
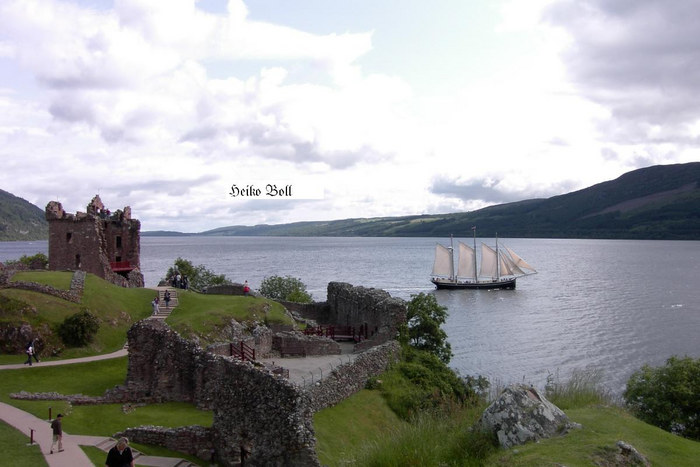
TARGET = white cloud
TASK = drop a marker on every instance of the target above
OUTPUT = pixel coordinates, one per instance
(162, 106)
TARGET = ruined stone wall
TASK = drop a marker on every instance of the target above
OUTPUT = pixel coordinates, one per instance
(291, 342)
(254, 410)
(374, 309)
(194, 439)
(348, 378)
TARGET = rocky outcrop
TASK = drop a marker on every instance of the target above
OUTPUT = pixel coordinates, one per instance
(521, 414)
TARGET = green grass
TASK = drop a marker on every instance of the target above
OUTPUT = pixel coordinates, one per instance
(57, 279)
(14, 445)
(343, 429)
(602, 428)
(203, 314)
(116, 307)
(98, 420)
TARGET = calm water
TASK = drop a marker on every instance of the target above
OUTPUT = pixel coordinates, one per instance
(612, 305)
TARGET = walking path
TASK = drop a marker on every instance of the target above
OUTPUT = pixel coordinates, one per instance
(72, 455)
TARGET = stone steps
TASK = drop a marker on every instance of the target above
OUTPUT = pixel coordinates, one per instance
(163, 311)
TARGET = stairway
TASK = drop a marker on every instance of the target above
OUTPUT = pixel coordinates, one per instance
(163, 311)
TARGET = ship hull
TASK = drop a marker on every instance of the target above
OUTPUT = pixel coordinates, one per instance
(500, 284)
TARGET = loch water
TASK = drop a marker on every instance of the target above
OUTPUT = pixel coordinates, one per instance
(610, 305)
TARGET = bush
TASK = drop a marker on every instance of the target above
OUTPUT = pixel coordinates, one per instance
(424, 317)
(421, 381)
(198, 277)
(79, 330)
(668, 396)
(37, 261)
(285, 288)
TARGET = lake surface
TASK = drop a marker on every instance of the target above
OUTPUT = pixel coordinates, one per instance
(609, 304)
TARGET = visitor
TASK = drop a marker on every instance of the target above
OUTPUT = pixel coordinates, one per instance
(246, 288)
(120, 455)
(57, 433)
(166, 297)
(30, 353)
(154, 304)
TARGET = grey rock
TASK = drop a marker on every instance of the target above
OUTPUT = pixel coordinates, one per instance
(521, 414)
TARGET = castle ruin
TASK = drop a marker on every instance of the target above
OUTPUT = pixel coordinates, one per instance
(97, 241)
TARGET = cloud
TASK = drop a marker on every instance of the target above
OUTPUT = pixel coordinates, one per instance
(640, 59)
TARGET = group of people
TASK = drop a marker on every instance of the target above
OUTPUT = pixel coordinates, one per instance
(179, 281)
(119, 456)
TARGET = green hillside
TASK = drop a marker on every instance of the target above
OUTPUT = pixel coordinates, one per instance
(20, 219)
(659, 202)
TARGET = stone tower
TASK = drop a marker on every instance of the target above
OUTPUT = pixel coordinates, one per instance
(97, 241)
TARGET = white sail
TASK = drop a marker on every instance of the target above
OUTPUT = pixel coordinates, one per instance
(489, 262)
(508, 267)
(519, 262)
(443, 261)
(465, 267)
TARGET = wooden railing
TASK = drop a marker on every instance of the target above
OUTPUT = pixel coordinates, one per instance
(242, 351)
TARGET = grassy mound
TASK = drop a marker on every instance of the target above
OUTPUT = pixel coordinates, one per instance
(118, 308)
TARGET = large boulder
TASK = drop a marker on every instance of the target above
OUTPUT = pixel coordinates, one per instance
(521, 414)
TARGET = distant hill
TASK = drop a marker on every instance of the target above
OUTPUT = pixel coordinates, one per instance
(659, 202)
(20, 219)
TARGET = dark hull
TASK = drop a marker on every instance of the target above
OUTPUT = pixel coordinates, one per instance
(501, 284)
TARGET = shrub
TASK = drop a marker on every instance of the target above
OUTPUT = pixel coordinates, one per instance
(79, 330)
(285, 288)
(424, 317)
(421, 381)
(668, 396)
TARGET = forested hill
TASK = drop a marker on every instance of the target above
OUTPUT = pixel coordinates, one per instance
(20, 219)
(659, 202)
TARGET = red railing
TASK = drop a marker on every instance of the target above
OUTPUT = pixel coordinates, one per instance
(242, 351)
(120, 266)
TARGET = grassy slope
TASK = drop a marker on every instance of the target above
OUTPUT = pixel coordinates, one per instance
(117, 308)
(14, 445)
(602, 428)
(343, 429)
(204, 314)
(349, 435)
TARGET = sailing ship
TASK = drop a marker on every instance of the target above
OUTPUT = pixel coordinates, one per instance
(500, 267)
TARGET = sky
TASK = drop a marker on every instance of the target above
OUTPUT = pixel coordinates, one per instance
(313, 110)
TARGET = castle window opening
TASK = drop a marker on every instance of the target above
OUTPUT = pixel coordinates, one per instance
(119, 242)
(69, 237)
(118, 259)
(77, 261)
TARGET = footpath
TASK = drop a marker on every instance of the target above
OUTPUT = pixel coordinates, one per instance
(72, 455)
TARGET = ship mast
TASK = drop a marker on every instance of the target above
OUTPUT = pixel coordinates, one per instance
(453, 276)
(498, 261)
(476, 274)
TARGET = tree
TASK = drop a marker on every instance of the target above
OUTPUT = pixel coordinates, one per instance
(198, 277)
(424, 318)
(79, 330)
(668, 396)
(285, 288)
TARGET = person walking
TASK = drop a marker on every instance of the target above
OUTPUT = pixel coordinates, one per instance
(120, 455)
(35, 352)
(30, 354)
(166, 298)
(57, 433)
